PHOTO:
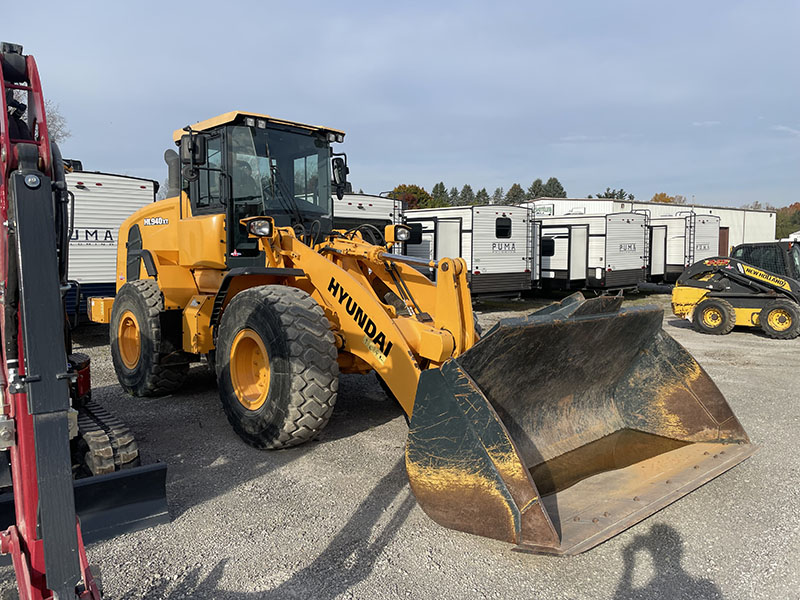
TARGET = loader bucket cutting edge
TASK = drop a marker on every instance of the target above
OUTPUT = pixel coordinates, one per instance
(557, 431)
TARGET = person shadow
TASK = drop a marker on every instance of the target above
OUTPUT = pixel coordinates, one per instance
(669, 581)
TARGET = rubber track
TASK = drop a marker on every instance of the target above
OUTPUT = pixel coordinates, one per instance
(111, 445)
(166, 378)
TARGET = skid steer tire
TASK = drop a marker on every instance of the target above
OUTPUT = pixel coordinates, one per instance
(276, 366)
(714, 316)
(780, 320)
(146, 364)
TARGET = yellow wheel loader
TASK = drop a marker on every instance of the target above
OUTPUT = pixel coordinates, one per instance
(552, 432)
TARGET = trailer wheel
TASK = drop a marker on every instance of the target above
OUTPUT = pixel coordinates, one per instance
(146, 364)
(276, 366)
(714, 316)
(780, 320)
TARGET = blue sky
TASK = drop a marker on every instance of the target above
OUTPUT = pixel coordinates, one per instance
(691, 98)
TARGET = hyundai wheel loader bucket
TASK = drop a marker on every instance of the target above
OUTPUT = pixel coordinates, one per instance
(559, 430)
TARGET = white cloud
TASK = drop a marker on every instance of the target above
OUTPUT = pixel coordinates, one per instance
(705, 123)
(785, 129)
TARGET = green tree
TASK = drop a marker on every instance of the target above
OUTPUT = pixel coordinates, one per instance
(515, 195)
(615, 194)
(413, 195)
(499, 196)
(439, 195)
(454, 196)
(482, 197)
(536, 190)
(554, 189)
(467, 196)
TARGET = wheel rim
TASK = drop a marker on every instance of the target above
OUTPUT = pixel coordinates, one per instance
(250, 371)
(712, 317)
(129, 340)
(779, 319)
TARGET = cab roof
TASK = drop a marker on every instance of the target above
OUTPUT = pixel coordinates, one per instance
(230, 117)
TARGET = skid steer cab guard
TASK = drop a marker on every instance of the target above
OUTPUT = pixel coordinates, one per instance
(559, 430)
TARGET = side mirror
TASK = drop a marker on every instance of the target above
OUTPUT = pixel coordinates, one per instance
(193, 150)
(340, 172)
(416, 233)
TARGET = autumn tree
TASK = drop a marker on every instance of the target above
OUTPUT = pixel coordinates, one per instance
(787, 220)
(482, 197)
(665, 198)
(515, 194)
(413, 195)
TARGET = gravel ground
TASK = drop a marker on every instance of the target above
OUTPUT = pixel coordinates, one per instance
(336, 519)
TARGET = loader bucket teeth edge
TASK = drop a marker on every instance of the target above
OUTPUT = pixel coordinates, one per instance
(558, 430)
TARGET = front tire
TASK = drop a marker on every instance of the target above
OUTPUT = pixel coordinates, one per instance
(780, 320)
(714, 316)
(146, 363)
(276, 366)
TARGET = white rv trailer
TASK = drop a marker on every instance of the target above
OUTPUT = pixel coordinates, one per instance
(354, 210)
(679, 241)
(493, 240)
(102, 202)
(605, 251)
(737, 225)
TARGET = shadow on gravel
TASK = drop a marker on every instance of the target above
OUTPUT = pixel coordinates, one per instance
(670, 581)
(347, 559)
(205, 458)
(90, 335)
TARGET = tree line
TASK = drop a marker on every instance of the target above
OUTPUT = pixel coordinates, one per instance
(416, 196)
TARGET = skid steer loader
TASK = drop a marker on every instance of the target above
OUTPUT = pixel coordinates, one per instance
(552, 432)
(716, 294)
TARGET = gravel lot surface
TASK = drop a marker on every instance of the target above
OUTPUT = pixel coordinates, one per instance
(336, 519)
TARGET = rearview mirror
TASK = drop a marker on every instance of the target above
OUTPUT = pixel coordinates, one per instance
(340, 171)
(415, 236)
(193, 150)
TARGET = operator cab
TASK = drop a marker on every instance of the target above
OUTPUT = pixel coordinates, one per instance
(247, 165)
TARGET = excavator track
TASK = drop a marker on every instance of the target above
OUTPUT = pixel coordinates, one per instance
(108, 445)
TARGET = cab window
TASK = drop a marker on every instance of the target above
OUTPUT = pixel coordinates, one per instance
(208, 198)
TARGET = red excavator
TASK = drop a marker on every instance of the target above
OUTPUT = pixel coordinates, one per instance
(69, 471)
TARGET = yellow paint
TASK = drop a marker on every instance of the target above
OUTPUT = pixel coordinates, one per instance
(250, 369)
(747, 316)
(230, 117)
(441, 485)
(197, 337)
(100, 309)
(779, 319)
(685, 298)
(765, 276)
(129, 340)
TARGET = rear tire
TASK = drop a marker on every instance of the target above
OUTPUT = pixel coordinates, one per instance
(714, 316)
(146, 364)
(780, 320)
(276, 366)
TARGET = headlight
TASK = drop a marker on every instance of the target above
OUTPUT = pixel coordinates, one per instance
(340, 137)
(260, 228)
(331, 137)
(402, 233)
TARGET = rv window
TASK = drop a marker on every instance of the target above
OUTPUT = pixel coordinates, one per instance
(502, 227)
(548, 247)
